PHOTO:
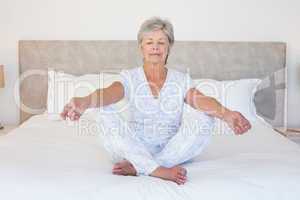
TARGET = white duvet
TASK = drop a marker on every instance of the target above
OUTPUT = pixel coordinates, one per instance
(46, 159)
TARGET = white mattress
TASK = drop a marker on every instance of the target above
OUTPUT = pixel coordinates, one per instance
(46, 159)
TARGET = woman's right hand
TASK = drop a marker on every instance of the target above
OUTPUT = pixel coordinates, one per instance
(74, 109)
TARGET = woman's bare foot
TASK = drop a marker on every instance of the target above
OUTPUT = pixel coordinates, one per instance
(176, 174)
(124, 168)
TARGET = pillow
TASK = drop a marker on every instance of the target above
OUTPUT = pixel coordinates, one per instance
(62, 87)
(236, 95)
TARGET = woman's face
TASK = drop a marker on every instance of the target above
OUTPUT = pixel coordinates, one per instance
(155, 47)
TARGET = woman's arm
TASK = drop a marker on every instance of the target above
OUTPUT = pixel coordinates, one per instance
(98, 98)
(236, 121)
(105, 96)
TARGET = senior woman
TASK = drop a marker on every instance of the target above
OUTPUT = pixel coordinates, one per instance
(156, 142)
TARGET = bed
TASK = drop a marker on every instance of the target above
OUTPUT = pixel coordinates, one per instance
(49, 159)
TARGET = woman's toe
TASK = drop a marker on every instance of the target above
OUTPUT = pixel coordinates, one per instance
(116, 170)
(180, 181)
(182, 177)
(117, 165)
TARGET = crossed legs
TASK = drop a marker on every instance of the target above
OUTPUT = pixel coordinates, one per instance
(132, 158)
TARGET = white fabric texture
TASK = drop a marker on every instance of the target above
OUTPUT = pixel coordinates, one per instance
(64, 160)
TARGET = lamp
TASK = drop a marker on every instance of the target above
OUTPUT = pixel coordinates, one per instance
(2, 83)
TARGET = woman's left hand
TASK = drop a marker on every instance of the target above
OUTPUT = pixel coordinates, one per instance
(237, 122)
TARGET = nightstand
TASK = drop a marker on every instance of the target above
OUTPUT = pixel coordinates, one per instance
(291, 133)
(7, 129)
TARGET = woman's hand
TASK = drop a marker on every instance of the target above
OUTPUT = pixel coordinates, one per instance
(237, 122)
(75, 108)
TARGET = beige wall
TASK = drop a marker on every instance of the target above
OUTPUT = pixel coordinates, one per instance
(230, 20)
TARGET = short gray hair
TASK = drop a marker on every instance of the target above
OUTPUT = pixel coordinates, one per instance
(156, 23)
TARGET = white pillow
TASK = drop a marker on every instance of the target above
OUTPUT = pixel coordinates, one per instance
(62, 87)
(236, 95)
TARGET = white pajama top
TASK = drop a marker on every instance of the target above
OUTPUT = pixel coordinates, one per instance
(155, 120)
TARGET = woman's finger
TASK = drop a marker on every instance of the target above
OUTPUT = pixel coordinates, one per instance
(245, 122)
(237, 129)
(65, 111)
(70, 114)
(73, 116)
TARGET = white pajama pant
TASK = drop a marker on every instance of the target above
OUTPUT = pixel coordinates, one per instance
(122, 142)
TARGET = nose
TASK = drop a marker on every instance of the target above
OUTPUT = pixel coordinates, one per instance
(155, 47)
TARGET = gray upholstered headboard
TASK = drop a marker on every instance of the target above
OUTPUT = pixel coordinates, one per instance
(217, 60)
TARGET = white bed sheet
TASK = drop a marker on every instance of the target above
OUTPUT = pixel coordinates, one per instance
(46, 159)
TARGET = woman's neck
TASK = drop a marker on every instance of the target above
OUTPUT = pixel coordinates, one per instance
(155, 71)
